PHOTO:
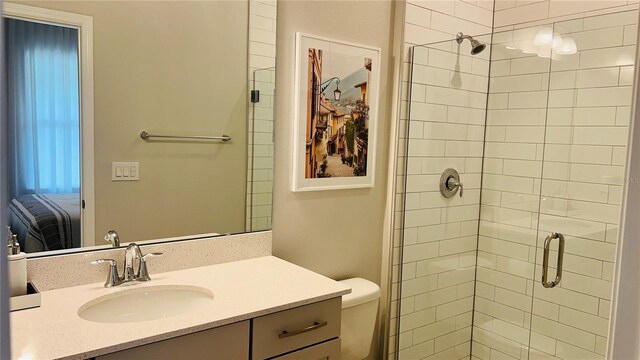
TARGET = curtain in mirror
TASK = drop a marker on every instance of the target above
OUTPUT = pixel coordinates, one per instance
(43, 107)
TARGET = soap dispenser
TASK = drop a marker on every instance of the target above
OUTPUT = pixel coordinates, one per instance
(17, 269)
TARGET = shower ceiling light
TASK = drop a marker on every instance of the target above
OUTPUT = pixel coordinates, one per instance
(544, 36)
(556, 43)
(567, 47)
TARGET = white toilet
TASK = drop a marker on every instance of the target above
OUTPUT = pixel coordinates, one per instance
(359, 313)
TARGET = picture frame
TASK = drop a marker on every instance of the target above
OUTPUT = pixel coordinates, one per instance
(336, 96)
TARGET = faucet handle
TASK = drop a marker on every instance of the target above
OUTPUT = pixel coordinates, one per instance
(113, 279)
(143, 273)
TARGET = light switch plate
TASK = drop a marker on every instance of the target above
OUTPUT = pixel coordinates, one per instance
(125, 171)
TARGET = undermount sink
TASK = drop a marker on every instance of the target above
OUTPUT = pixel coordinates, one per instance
(145, 303)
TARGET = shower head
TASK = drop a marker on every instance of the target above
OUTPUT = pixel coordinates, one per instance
(476, 46)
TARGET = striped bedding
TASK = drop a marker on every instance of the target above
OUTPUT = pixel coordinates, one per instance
(46, 221)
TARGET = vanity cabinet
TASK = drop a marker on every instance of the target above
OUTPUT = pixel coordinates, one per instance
(309, 332)
(222, 343)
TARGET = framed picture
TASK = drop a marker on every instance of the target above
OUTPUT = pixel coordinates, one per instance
(336, 114)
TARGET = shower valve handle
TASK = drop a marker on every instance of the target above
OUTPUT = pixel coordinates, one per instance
(453, 183)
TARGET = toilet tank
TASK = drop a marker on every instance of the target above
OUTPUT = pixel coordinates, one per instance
(359, 312)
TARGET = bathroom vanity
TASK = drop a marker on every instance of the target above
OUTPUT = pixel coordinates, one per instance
(259, 308)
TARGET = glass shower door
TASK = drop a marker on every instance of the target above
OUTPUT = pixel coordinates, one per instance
(512, 173)
(448, 94)
(589, 99)
(260, 151)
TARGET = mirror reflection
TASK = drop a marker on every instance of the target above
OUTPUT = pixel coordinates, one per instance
(147, 118)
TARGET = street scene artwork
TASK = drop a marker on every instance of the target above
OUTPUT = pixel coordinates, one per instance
(337, 108)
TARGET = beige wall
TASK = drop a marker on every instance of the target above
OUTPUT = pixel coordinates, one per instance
(176, 68)
(336, 233)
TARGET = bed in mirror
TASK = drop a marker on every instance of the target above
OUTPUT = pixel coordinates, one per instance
(150, 118)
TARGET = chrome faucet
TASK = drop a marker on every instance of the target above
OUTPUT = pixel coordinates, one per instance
(113, 238)
(132, 253)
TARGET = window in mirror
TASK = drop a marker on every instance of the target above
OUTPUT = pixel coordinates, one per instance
(44, 134)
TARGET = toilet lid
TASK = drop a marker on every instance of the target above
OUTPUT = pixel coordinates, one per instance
(362, 291)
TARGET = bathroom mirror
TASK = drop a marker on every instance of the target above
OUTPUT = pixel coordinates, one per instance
(151, 118)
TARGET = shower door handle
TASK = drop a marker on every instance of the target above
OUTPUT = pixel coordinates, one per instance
(545, 260)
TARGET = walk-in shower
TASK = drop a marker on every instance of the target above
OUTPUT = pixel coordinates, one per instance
(536, 127)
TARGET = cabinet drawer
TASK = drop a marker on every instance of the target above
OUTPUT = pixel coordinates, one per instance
(230, 342)
(329, 350)
(297, 328)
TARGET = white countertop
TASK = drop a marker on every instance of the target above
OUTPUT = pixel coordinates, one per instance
(242, 290)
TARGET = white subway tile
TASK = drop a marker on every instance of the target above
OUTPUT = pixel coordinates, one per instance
(542, 343)
(418, 286)
(526, 134)
(623, 116)
(431, 76)
(510, 151)
(433, 130)
(528, 100)
(465, 115)
(451, 309)
(609, 213)
(453, 345)
(567, 298)
(567, 351)
(562, 80)
(428, 112)
(499, 311)
(610, 175)
(434, 298)
(626, 75)
(523, 168)
(594, 116)
(563, 332)
(563, 7)
(601, 135)
(578, 228)
(504, 248)
(510, 331)
(426, 147)
(613, 96)
(417, 35)
(446, 96)
(546, 309)
(521, 14)
(473, 13)
(630, 35)
(506, 216)
(558, 135)
(464, 148)
(456, 246)
(437, 265)
(609, 20)
(584, 321)
(516, 117)
(422, 217)
(597, 77)
(561, 98)
(618, 56)
(619, 156)
(419, 350)
(446, 7)
(598, 39)
(417, 15)
(530, 82)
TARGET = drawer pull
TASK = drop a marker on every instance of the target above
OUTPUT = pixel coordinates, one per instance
(316, 325)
